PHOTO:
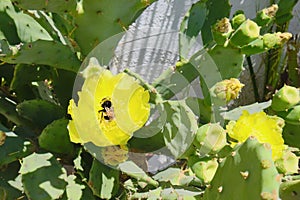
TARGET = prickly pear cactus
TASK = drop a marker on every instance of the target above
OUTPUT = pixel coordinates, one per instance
(184, 145)
(251, 163)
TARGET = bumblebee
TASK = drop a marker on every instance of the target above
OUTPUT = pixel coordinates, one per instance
(107, 112)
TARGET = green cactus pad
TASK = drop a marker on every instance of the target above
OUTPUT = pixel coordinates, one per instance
(175, 176)
(190, 27)
(247, 32)
(284, 13)
(46, 5)
(132, 170)
(98, 21)
(290, 190)
(10, 183)
(285, 98)
(14, 148)
(27, 28)
(257, 46)
(292, 116)
(103, 180)
(40, 51)
(180, 127)
(43, 177)
(40, 112)
(235, 113)
(55, 137)
(291, 135)
(248, 173)
(217, 10)
(229, 68)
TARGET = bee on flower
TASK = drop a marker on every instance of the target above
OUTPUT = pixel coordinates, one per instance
(110, 107)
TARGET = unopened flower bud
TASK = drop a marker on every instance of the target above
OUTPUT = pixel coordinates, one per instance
(227, 90)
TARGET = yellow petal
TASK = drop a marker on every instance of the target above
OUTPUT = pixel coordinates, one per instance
(267, 129)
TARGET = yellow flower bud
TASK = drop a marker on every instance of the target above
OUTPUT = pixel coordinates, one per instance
(227, 90)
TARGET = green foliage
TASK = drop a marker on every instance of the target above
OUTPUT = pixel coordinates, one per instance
(217, 10)
(132, 170)
(228, 68)
(180, 127)
(191, 26)
(10, 182)
(34, 54)
(291, 135)
(49, 6)
(234, 114)
(109, 18)
(40, 112)
(14, 148)
(103, 180)
(42, 176)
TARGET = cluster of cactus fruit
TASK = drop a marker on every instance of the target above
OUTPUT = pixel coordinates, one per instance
(245, 33)
(42, 45)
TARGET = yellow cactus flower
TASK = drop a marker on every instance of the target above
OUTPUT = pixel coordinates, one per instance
(110, 107)
(267, 129)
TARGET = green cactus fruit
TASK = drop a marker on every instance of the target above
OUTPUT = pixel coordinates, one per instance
(266, 15)
(247, 32)
(248, 173)
(274, 40)
(257, 46)
(204, 168)
(288, 164)
(292, 116)
(237, 20)
(221, 31)
(270, 40)
(285, 98)
(210, 138)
